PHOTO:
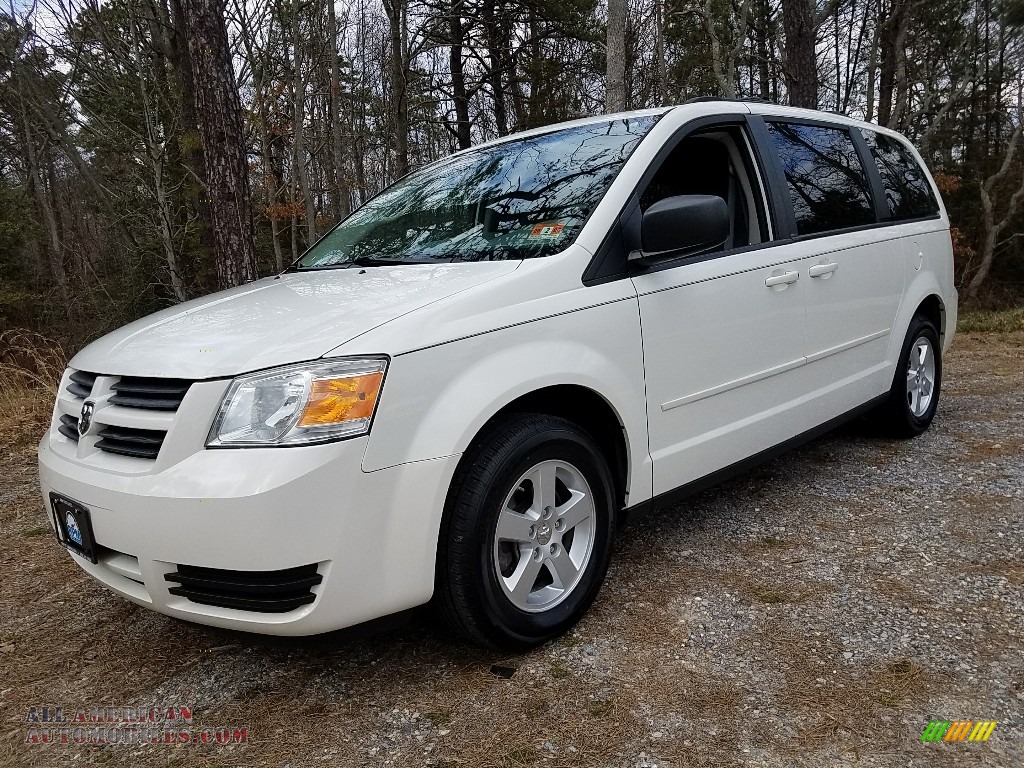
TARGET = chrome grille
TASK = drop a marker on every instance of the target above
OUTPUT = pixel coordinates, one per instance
(81, 384)
(132, 413)
(154, 394)
(68, 427)
(128, 441)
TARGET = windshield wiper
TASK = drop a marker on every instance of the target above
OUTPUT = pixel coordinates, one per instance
(367, 261)
(374, 261)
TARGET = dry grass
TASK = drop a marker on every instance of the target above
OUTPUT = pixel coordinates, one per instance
(991, 321)
(639, 674)
(30, 369)
(30, 361)
(836, 700)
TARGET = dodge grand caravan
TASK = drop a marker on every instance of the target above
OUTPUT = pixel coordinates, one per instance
(457, 393)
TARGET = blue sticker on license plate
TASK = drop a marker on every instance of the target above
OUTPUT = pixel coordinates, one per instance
(74, 526)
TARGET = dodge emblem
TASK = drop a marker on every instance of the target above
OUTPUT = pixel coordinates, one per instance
(85, 420)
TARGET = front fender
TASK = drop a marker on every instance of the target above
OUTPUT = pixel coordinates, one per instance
(436, 400)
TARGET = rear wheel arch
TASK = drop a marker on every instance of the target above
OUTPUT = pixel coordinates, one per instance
(934, 309)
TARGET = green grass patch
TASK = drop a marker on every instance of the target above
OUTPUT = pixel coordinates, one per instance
(439, 719)
(521, 755)
(599, 707)
(991, 321)
(558, 671)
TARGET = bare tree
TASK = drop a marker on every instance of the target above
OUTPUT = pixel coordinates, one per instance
(615, 48)
(398, 20)
(993, 224)
(800, 61)
(220, 125)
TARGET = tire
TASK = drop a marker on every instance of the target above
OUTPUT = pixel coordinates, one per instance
(914, 395)
(531, 582)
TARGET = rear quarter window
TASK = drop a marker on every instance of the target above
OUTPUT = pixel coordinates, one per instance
(907, 191)
(827, 183)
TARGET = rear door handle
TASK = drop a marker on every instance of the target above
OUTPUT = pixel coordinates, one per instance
(820, 270)
(784, 279)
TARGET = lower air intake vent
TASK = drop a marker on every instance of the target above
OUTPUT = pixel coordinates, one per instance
(68, 427)
(262, 591)
(141, 443)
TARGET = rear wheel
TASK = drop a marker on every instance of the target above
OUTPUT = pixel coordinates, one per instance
(914, 395)
(527, 533)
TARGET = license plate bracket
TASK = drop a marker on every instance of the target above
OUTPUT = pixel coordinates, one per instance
(74, 526)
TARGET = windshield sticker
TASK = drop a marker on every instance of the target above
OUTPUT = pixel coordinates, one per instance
(549, 229)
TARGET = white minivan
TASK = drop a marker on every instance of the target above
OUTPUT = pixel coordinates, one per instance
(460, 391)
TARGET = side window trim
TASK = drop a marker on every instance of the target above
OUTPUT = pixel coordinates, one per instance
(777, 189)
(609, 263)
(882, 214)
(782, 190)
(762, 184)
(911, 157)
(629, 220)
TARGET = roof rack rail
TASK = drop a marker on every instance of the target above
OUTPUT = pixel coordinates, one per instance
(699, 99)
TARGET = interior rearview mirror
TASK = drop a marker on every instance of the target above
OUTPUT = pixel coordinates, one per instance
(684, 225)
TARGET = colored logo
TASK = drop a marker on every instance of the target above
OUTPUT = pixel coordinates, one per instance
(74, 532)
(958, 730)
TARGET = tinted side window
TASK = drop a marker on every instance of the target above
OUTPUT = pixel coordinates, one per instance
(907, 191)
(826, 181)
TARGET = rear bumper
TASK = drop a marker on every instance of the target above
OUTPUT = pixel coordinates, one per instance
(371, 535)
(952, 313)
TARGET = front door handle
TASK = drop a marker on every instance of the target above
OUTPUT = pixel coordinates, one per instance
(820, 270)
(784, 279)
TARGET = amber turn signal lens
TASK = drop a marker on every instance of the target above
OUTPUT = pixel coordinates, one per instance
(332, 401)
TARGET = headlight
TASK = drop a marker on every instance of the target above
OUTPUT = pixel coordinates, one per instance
(300, 404)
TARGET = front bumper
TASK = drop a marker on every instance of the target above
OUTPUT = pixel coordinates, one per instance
(372, 535)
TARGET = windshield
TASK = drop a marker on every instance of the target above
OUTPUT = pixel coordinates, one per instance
(517, 200)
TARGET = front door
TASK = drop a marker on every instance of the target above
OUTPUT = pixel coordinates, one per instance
(723, 333)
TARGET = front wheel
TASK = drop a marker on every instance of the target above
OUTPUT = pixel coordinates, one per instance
(527, 533)
(914, 395)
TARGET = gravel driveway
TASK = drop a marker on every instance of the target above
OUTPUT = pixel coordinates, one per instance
(820, 610)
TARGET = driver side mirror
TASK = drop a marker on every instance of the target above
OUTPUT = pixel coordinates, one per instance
(684, 225)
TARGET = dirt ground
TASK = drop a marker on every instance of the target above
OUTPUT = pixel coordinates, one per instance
(820, 610)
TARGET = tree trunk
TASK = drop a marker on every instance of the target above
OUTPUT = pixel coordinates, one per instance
(494, 27)
(869, 111)
(801, 64)
(459, 94)
(341, 200)
(156, 152)
(892, 58)
(615, 93)
(762, 31)
(220, 126)
(189, 139)
(992, 229)
(271, 176)
(298, 80)
(399, 76)
(55, 251)
(659, 53)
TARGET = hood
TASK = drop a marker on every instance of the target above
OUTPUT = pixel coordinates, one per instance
(275, 321)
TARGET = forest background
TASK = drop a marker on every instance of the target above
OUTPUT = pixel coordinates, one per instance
(152, 151)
